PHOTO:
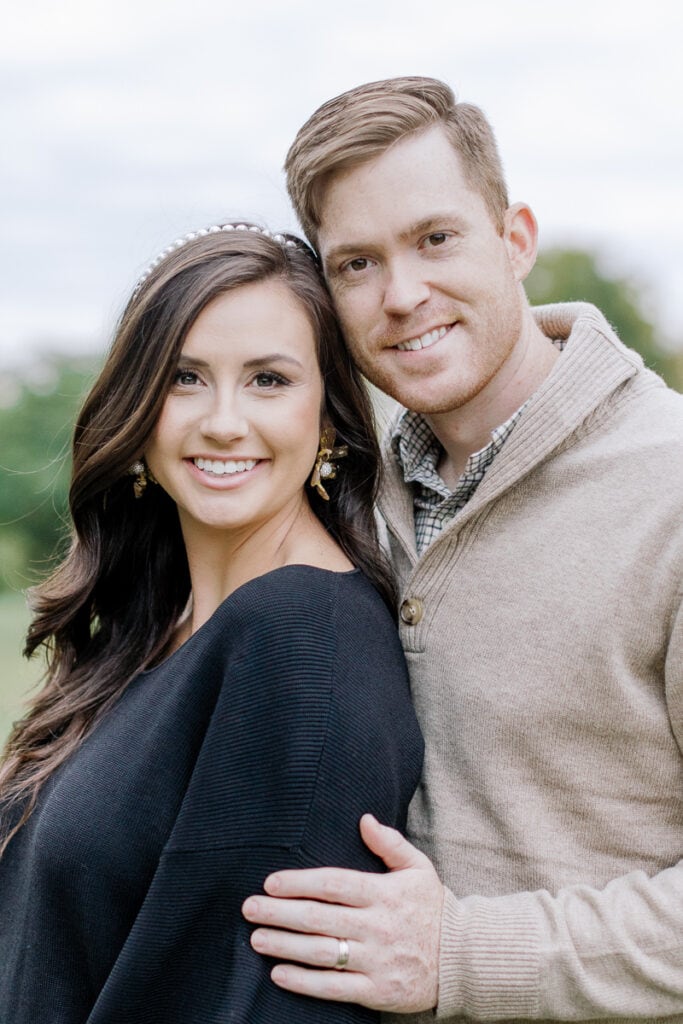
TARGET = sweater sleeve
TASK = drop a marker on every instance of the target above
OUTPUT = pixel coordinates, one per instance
(263, 796)
(581, 954)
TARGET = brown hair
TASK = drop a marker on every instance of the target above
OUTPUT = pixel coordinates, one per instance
(364, 122)
(111, 606)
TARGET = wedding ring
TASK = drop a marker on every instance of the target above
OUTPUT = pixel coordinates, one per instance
(343, 957)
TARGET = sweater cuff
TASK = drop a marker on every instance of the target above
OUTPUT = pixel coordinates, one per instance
(489, 961)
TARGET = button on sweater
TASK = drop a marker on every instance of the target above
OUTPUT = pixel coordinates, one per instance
(547, 672)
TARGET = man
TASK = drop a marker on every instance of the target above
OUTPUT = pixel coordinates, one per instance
(533, 506)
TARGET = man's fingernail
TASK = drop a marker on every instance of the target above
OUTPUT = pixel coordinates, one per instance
(249, 909)
(279, 974)
(271, 884)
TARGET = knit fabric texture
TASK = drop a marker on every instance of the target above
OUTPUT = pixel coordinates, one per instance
(256, 746)
(547, 672)
(418, 453)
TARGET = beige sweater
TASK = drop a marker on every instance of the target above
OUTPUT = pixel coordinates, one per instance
(547, 672)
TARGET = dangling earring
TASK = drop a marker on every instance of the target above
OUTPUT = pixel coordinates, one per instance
(324, 469)
(142, 475)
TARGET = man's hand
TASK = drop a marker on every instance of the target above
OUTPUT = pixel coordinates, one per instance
(391, 923)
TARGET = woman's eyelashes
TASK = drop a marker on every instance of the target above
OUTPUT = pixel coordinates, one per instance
(186, 377)
(264, 380)
(269, 380)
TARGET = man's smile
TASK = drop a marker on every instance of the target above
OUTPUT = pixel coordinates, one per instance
(424, 340)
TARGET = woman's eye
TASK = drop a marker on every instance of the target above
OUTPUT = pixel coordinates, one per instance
(186, 378)
(268, 379)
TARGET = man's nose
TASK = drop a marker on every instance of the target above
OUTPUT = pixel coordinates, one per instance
(404, 288)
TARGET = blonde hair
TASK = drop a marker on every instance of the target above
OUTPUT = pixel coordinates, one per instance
(364, 122)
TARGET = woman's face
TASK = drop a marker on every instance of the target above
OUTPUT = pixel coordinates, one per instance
(239, 431)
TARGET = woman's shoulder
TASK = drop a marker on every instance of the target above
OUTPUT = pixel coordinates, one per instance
(301, 611)
(289, 595)
(327, 629)
(340, 612)
(333, 626)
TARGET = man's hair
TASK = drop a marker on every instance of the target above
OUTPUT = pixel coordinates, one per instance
(364, 122)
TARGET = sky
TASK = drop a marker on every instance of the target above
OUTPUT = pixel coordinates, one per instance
(127, 124)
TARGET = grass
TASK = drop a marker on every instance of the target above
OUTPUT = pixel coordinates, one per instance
(16, 674)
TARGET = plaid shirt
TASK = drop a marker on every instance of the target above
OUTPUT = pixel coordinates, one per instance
(418, 453)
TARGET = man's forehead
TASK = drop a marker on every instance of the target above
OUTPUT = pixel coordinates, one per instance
(415, 182)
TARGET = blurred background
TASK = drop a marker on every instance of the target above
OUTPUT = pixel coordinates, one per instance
(125, 125)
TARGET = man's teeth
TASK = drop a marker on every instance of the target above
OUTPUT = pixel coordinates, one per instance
(220, 467)
(424, 341)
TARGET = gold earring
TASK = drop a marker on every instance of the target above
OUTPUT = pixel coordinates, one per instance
(142, 475)
(324, 468)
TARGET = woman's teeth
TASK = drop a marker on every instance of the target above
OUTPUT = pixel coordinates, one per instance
(223, 467)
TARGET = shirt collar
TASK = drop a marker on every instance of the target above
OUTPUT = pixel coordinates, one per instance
(418, 451)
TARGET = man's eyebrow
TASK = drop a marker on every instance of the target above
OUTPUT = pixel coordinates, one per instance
(338, 252)
(434, 222)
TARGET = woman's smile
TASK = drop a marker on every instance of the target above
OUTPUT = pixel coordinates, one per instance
(224, 473)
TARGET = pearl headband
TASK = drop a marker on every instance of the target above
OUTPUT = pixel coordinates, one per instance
(213, 230)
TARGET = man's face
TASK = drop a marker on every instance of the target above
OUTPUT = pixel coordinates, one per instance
(426, 287)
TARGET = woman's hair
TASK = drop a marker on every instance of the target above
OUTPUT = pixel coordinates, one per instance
(364, 122)
(109, 609)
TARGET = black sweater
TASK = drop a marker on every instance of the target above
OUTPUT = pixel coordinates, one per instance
(255, 746)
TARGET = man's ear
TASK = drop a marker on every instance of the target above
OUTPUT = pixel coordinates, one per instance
(520, 234)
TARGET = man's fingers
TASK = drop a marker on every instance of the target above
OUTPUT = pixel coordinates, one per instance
(329, 885)
(307, 916)
(341, 986)
(393, 848)
(316, 950)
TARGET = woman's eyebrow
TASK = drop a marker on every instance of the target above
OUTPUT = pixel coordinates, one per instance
(250, 364)
(274, 357)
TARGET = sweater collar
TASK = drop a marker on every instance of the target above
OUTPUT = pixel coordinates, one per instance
(594, 364)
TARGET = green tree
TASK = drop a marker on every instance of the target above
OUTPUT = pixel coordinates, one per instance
(564, 275)
(36, 421)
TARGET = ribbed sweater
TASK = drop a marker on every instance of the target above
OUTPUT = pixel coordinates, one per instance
(256, 746)
(547, 672)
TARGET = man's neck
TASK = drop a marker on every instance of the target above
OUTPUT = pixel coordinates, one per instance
(468, 429)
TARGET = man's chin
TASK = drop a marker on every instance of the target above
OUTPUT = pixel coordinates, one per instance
(415, 399)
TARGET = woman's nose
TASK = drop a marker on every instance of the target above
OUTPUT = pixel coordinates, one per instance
(225, 420)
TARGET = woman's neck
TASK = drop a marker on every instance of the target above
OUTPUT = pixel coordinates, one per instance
(220, 561)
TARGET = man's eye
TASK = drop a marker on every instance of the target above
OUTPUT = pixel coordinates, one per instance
(437, 238)
(358, 264)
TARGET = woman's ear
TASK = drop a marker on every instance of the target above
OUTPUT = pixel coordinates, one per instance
(520, 234)
(325, 421)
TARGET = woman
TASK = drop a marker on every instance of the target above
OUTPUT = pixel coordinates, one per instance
(226, 694)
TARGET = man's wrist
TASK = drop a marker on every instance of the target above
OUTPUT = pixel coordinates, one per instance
(489, 957)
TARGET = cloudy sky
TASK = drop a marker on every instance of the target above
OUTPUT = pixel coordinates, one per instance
(127, 124)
